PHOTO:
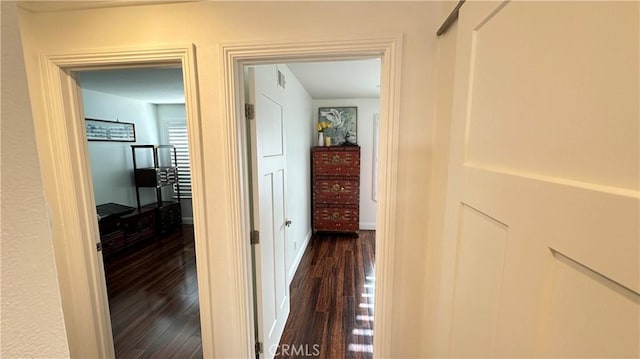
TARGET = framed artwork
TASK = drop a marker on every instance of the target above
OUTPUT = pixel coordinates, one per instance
(343, 124)
(103, 130)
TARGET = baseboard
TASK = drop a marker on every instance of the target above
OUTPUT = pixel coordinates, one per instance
(368, 226)
(187, 220)
(296, 262)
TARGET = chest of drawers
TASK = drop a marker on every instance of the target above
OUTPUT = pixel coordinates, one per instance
(336, 189)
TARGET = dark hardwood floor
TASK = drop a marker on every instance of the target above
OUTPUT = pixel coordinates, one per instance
(332, 300)
(153, 299)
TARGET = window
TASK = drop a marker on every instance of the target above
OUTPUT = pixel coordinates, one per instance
(177, 131)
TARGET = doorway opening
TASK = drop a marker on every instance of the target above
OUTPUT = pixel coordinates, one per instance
(138, 152)
(314, 266)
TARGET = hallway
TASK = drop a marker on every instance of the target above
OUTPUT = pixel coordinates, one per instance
(332, 295)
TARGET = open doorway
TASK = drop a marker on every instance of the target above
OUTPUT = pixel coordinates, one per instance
(315, 276)
(138, 151)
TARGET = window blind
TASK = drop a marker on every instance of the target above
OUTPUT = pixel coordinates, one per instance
(178, 138)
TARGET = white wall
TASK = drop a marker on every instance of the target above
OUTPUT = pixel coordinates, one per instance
(366, 109)
(213, 23)
(437, 336)
(174, 112)
(112, 162)
(31, 321)
(299, 136)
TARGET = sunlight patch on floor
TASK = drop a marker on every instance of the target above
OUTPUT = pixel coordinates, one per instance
(367, 332)
(362, 348)
(366, 318)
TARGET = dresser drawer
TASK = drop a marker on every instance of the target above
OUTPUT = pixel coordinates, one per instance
(112, 242)
(138, 221)
(336, 191)
(344, 161)
(336, 219)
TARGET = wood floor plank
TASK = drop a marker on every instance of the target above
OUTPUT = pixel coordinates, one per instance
(153, 299)
(332, 299)
(349, 288)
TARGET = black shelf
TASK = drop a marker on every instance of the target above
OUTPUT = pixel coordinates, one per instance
(157, 176)
(167, 214)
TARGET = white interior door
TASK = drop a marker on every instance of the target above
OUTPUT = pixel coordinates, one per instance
(269, 191)
(541, 230)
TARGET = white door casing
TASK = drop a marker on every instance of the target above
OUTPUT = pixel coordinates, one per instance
(60, 140)
(268, 174)
(235, 57)
(542, 244)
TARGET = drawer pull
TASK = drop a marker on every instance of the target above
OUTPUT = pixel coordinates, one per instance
(335, 216)
(336, 188)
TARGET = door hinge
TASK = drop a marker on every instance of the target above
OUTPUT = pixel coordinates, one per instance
(255, 237)
(249, 111)
(99, 246)
(258, 347)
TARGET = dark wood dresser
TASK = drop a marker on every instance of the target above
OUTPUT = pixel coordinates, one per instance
(336, 189)
(122, 226)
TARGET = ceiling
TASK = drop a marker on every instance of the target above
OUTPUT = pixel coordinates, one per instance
(55, 5)
(153, 85)
(323, 80)
(341, 79)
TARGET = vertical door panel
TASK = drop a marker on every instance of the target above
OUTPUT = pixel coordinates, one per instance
(482, 244)
(280, 273)
(267, 252)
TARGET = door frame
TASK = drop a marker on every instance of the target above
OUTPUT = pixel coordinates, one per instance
(63, 152)
(237, 55)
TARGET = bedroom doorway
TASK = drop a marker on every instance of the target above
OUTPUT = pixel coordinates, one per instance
(235, 58)
(138, 152)
(324, 236)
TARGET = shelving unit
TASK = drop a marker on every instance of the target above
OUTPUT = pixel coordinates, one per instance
(157, 176)
(168, 213)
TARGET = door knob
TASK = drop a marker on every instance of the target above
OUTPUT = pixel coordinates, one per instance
(287, 223)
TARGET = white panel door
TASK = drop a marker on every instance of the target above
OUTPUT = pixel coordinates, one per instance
(542, 238)
(269, 183)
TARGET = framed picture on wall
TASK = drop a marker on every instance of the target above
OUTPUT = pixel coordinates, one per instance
(103, 130)
(343, 124)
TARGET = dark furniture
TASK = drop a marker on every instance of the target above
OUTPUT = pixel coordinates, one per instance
(123, 226)
(168, 214)
(336, 189)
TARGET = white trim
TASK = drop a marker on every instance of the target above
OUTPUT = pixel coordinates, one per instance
(374, 157)
(368, 226)
(187, 220)
(235, 56)
(298, 259)
(62, 148)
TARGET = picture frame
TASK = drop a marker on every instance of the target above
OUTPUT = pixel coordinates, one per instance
(344, 124)
(110, 131)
